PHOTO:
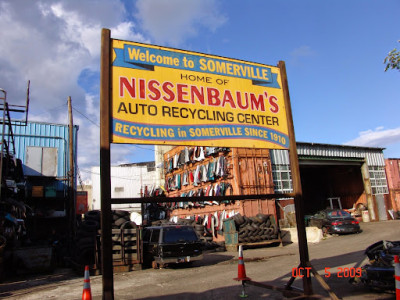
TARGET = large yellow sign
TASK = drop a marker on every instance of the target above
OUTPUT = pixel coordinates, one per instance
(174, 97)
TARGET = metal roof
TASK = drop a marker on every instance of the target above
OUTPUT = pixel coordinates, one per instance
(373, 156)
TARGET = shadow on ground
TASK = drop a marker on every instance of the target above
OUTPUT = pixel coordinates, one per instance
(31, 282)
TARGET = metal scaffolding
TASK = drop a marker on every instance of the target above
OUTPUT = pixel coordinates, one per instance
(7, 123)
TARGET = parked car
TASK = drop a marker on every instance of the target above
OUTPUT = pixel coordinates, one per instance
(171, 244)
(335, 221)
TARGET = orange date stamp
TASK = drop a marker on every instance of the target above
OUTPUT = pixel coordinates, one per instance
(341, 272)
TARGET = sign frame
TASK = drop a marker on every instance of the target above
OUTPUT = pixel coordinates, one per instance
(170, 96)
(105, 173)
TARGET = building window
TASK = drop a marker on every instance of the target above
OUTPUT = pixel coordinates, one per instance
(377, 177)
(282, 178)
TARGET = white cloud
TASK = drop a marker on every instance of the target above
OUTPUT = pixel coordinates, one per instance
(379, 137)
(175, 20)
(125, 31)
(50, 43)
(92, 109)
(56, 45)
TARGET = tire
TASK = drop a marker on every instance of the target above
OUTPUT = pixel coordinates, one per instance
(270, 231)
(262, 217)
(199, 233)
(243, 234)
(121, 221)
(244, 223)
(240, 220)
(129, 225)
(90, 225)
(257, 232)
(81, 233)
(255, 220)
(121, 213)
(249, 227)
(86, 240)
(87, 246)
(94, 215)
(116, 238)
(186, 222)
(252, 233)
(199, 227)
(86, 256)
(274, 229)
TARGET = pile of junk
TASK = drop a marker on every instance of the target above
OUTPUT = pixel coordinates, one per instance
(378, 273)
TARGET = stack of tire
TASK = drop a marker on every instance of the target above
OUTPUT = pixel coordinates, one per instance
(87, 233)
(199, 228)
(119, 217)
(204, 235)
(259, 228)
(161, 223)
(86, 238)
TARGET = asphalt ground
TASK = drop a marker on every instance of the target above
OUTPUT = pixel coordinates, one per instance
(212, 278)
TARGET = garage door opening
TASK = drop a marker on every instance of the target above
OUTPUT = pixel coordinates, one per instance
(321, 180)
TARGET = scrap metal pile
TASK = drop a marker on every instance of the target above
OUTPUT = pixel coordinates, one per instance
(379, 272)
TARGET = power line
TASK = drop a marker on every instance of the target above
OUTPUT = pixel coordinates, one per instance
(118, 177)
(93, 122)
(52, 109)
(86, 117)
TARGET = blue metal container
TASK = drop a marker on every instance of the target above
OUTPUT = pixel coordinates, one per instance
(36, 137)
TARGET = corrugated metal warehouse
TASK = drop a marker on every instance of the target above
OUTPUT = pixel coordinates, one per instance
(353, 174)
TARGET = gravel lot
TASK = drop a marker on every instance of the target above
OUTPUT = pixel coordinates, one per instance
(212, 278)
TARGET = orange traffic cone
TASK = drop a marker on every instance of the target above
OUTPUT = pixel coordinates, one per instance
(241, 269)
(87, 294)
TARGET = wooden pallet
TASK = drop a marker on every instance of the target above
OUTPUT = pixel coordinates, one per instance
(126, 249)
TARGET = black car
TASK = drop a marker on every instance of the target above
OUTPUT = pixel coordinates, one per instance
(171, 244)
(335, 221)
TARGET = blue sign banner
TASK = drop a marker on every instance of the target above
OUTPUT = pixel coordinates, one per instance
(174, 133)
(146, 58)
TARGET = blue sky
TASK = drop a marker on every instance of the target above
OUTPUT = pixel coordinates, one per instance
(333, 50)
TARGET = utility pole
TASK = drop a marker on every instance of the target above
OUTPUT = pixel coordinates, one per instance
(71, 176)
